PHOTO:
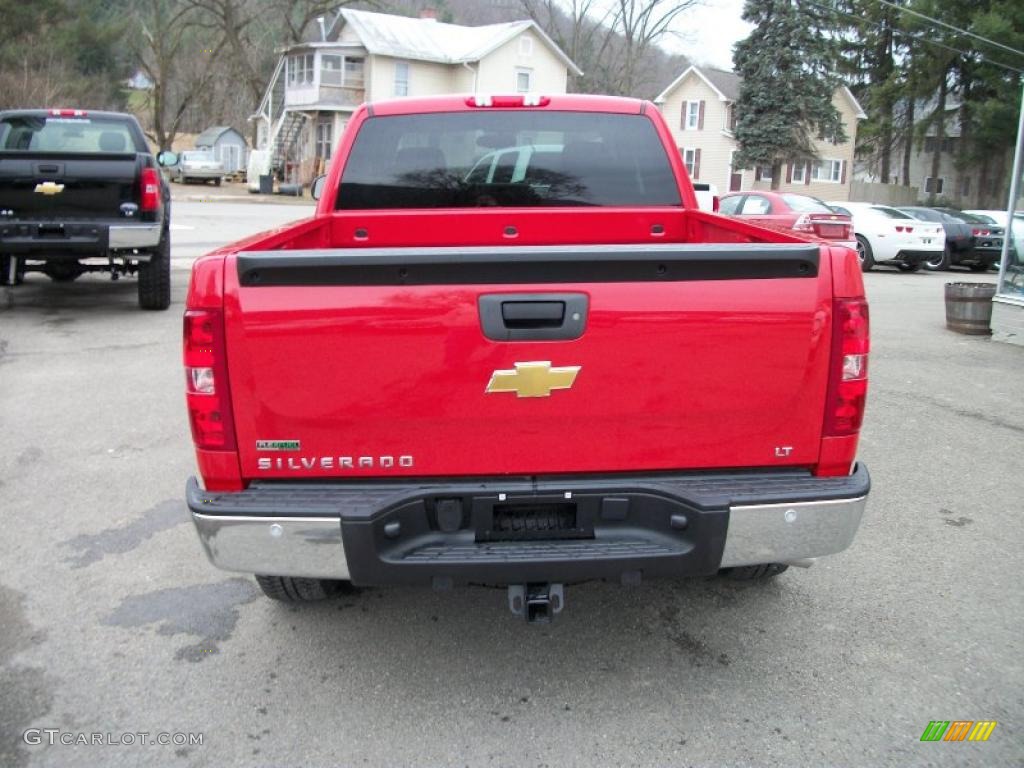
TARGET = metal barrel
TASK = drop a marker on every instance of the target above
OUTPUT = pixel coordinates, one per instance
(969, 307)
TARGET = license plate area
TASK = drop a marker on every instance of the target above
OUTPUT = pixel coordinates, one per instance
(534, 519)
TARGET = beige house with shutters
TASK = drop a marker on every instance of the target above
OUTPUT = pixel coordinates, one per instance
(700, 107)
(364, 56)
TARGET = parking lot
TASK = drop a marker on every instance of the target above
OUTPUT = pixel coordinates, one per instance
(112, 620)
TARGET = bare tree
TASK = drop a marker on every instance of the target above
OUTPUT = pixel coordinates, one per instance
(642, 25)
(171, 51)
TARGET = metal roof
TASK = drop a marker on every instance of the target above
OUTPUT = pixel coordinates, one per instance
(210, 135)
(403, 37)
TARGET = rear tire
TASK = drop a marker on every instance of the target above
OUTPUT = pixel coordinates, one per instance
(289, 589)
(865, 254)
(980, 267)
(216, 182)
(155, 276)
(940, 262)
(904, 267)
(754, 572)
(5, 268)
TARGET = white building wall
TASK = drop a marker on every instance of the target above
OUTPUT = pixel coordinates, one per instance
(497, 71)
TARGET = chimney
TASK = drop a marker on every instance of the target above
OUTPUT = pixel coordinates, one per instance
(323, 30)
(429, 14)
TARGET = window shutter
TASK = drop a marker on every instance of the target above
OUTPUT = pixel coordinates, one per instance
(757, 173)
(682, 117)
(696, 162)
(807, 174)
(789, 173)
(842, 173)
(700, 116)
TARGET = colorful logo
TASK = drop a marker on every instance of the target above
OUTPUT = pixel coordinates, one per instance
(958, 730)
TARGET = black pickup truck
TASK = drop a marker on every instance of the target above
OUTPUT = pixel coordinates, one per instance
(81, 192)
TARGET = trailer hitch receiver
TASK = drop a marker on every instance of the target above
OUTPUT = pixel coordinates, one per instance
(537, 603)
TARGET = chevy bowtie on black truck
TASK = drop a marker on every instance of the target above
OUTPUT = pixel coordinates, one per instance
(81, 192)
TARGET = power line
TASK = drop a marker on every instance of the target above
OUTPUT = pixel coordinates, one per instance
(911, 36)
(903, 9)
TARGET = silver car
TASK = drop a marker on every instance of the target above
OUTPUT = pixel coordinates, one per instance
(198, 165)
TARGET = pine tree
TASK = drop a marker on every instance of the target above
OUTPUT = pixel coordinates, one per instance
(788, 67)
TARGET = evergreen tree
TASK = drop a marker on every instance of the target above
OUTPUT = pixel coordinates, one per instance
(788, 67)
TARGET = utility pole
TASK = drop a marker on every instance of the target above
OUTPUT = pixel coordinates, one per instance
(1018, 162)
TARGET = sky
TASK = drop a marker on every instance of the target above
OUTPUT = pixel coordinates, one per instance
(707, 33)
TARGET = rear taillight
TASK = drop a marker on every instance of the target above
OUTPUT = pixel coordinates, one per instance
(150, 198)
(69, 113)
(982, 233)
(803, 223)
(206, 380)
(848, 379)
(908, 230)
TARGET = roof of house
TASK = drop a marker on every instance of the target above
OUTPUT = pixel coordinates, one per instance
(726, 85)
(210, 135)
(405, 37)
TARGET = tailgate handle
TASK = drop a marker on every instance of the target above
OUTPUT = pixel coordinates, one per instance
(533, 316)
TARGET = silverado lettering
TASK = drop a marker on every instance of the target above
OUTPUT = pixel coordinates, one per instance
(598, 380)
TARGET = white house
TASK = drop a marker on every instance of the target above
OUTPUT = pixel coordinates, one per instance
(368, 56)
(700, 107)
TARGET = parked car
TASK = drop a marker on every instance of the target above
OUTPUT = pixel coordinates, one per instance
(198, 165)
(888, 236)
(80, 191)
(988, 240)
(787, 210)
(959, 237)
(408, 413)
(998, 218)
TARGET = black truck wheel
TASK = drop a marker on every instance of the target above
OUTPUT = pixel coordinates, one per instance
(288, 589)
(155, 277)
(753, 572)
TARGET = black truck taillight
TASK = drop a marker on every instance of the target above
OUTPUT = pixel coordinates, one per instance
(206, 380)
(150, 194)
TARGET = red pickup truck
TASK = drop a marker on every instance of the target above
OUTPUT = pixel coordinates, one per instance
(539, 374)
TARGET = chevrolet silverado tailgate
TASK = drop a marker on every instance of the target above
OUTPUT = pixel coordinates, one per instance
(521, 360)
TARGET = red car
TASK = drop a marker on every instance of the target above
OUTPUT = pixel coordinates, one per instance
(787, 210)
(562, 372)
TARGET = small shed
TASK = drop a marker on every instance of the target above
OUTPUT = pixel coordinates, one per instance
(228, 145)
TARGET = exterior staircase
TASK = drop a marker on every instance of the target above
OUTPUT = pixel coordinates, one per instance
(286, 132)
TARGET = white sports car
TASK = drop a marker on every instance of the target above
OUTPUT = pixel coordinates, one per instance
(887, 236)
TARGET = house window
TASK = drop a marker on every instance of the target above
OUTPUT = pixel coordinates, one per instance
(692, 115)
(799, 173)
(965, 186)
(690, 160)
(764, 172)
(933, 185)
(401, 78)
(730, 118)
(330, 69)
(324, 138)
(524, 80)
(300, 69)
(525, 46)
(353, 72)
(828, 170)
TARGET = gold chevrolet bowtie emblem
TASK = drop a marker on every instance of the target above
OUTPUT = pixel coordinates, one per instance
(535, 379)
(49, 188)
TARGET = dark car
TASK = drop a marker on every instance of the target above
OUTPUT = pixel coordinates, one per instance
(988, 239)
(959, 237)
(80, 191)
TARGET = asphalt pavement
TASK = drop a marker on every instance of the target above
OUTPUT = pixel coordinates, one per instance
(112, 622)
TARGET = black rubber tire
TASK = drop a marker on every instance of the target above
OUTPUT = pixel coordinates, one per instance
(904, 267)
(289, 589)
(216, 182)
(941, 262)
(754, 572)
(155, 276)
(980, 267)
(63, 271)
(865, 254)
